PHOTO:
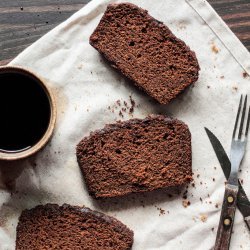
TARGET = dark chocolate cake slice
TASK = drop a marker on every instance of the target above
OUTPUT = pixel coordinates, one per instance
(136, 156)
(70, 227)
(145, 51)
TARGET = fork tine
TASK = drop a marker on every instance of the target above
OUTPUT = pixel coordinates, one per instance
(237, 117)
(248, 121)
(242, 118)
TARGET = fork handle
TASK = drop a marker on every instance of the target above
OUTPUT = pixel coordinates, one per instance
(226, 218)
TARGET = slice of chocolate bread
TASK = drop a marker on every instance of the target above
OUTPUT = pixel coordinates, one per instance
(70, 227)
(145, 51)
(136, 156)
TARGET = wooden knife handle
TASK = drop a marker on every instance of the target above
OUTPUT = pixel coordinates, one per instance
(227, 218)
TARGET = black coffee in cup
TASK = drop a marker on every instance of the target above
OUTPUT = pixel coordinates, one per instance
(24, 111)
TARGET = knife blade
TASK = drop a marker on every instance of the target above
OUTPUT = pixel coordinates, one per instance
(243, 202)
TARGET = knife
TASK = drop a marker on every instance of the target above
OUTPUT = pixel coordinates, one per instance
(243, 202)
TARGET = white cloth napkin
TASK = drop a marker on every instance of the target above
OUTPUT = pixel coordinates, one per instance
(85, 86)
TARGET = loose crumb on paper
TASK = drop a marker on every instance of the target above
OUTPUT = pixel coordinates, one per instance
(122, 107)
(214, 49)
(181, 25)
(186, 203)
(132, 102)
(161, 211)
(184, 195)
(80, 66)
(203, 217)
(245, 75)
(235, 88)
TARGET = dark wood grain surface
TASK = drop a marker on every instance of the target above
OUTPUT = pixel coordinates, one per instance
(22, 22)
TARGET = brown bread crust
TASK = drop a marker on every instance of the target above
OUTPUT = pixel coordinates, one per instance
(145, 51)
(68, 227)
(136, 156)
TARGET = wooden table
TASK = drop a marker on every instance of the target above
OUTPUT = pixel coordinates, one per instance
(24, 21)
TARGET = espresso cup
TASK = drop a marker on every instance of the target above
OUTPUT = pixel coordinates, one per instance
(27, 113)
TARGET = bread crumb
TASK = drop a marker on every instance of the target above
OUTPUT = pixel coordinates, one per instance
(120, 114)
(131, 110)
(80, 66)
(244, 74)
(235, 88)
(181, 25)
(214, 49)
(184, 196)
(203, 217)
(194, 218)
(186, 203)
(121, 107)
(162, 211)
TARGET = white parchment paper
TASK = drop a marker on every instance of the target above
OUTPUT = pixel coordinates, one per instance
(85, 86)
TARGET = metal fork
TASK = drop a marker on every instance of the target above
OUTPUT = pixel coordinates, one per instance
(238, 148)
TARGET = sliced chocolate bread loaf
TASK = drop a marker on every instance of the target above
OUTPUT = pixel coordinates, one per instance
(145, 51)
(136, 156)
(70, 227)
